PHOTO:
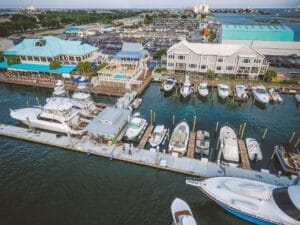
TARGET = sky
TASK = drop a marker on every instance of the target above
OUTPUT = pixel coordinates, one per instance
(148, 3)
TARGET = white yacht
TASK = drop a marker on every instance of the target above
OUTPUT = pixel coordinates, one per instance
(240, 92)
(57, 115)
(59, 89)
(181, 213)
(253, 148)
(297, 97)
(158, 135)
(260, 94)
(136, 127)
(169, 84)
(186, 89)
(223, 91)
(274, 95)
(180, 138)
(202, 89)
(253, 201)
(202, 143)
(229, 151)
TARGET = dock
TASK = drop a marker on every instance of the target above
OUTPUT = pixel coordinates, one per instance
(145, 137)
(244, 155)
(191, 145)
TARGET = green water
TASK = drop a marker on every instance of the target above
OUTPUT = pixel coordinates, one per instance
(45, 185)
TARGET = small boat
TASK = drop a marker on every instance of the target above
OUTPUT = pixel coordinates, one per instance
(297, 97)
(223, 91)
(253, 148)
(289, 158)
(240, 93)
(179, 139)
(202, 89)
(157, 135)
(136, 127)
(59, 89)
(253, 201)
(274, 96)
(186, 89)
(136, 103)
(202, 143)
(260, 94)
(169, 84)
(181, 213)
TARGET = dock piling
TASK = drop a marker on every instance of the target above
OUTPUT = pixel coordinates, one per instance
(27, 103)
(292, 137)
(217, 126)
(194, 123)
(154, 117)
(240, 129)
(265, 133)
(243, 130)
(37, 101)
(151, 117)
(173, 120)
(297, 143)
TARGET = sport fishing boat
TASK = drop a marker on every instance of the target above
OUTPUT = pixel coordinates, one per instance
(253, 201)
(181, 213)
(240, 93)
(229, 151)
(274, 95)
(202, 143)
(260, 94)
(179, 139)
(202, 89)
(253, 148)
(223, 91)
(169, 84)
(157, 135)
(136, 127)
(186, 89)
(289, 158)
(59, 89)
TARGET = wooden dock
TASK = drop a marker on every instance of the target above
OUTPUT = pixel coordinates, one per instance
(244, 155)
(191, 145)
(145, 137)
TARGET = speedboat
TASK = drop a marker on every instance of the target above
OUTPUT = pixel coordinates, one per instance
(136, 103)
(157, 135)
(223, 91)
(181, 213)
(289, 158)
(169, 84)
(186, 89)
(202, 89)
(274, 96)
(297, 97)
(253, 201)
(260, 94)
(240, 92)
(136, 127)
(202, 143)
(253, 148)
(179, 139)
(59, 89)
(229, 151)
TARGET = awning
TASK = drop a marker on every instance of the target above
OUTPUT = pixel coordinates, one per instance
(129, 55)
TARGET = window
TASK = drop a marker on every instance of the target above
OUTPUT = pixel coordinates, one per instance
(257, 60)
(49, 59)
(170, 64)
(193, 65)
(29, 58)
(36, 58)
(181, 57)
(246, 60)
(203, 67)
(218, 68)
(171, 56)
(220, 59)
(23, 58)
(71, 58)
(78, 59)
(203, 58)
(229, 68)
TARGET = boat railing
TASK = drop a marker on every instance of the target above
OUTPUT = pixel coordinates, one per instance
(194, 181)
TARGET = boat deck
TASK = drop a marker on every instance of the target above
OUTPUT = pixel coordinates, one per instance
(191, 145)
(244, 155)
(145, 137)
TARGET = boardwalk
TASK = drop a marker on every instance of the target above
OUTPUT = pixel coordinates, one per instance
(191, 146)
(145, 137)
(244, 155)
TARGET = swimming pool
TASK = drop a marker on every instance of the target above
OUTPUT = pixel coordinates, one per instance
(120, 76)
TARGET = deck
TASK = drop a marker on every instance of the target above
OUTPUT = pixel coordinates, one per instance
(244, 155)
(145, 137)
(191, 146)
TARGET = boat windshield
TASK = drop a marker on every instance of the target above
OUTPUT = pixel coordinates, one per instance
(224, 88)
(169, 82)
(261, 91)
(203, 87)
(283, 201)
(135, 125)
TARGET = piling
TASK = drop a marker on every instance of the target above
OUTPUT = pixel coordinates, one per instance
(154, 117)
(173, 120)
(297, 143)
(151, 117)
(194, 123)
(217, 126)
(265, 133)
(243, 130)
(27, 103)
(273, 154)
(240, 130)
(37, 101)
(292, 137)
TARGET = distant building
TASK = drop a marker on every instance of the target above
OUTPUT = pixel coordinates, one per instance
(83, 31)
(5, 44)
(198, 58)
(201, 9)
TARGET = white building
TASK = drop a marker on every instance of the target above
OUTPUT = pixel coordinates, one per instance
(201, 9)
(230, 59)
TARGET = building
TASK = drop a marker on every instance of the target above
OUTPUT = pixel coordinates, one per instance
(201, 9)
(223, 59)
(83, 31)
(256, 33)
(5, 44)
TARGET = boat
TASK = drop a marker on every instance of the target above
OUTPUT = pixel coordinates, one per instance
(56, 115)
(202, 143)
(240, 92)
(181, 213)
(253, 148)
(202, 89)
(289, 158)
(297, 97)
(136, 127)
(179, 138)
(253, 201)
(223, 91)
(186, 89)
(59, 89)
(158, 135)
(169, 84)
(229, 151)
(274, 96)
(136, 103)
(260, 94)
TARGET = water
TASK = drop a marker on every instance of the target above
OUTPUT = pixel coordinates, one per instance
(46, 185)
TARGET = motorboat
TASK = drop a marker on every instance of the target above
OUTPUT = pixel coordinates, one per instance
(169, 84)
(229, 151)
(289, 158)
(158, 135)
(260, 94)
(223, 91)
(240, 92)
(202, 89)
(56, 115)
(136, 127)
(186, 89)
(253, 148)
(297, 97)
(179, 138)
(136, 103)
(59, 89)
(182, 213)
(274, 95)
(202, 143)
(253, 201)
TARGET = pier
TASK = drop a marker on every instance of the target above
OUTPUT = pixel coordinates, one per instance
(145, 137)
(191, 145)
(244, 155)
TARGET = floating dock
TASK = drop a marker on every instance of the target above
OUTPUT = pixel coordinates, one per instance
(145, 137)
(244, 155)
(191, 145)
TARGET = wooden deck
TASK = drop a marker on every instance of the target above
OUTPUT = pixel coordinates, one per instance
(191, 145)
(244, 155)
(145, 137)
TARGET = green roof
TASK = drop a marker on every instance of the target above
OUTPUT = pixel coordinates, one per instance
(257, 32)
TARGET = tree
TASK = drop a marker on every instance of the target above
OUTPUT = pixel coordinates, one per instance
(210, 75)
(269, 75)
(54, 65)
(101, 66)
(12, 60)
(85, 67)
(160, 53)
(212, 36)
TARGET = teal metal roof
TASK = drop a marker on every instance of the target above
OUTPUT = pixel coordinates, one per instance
(257, 32)
(53, 47)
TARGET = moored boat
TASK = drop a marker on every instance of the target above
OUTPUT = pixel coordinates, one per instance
(274, 96)
(181, 213)
(169, 84)
(260, 94)
(240, 92)
(289, 158)
(202, 143)
(179, 139)
(202, 89)
(59, 89)
(136, 103)
(136, 127)
(186, 89)
(223, 91)
(253, 148)
(297, 97)
(157, 135)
